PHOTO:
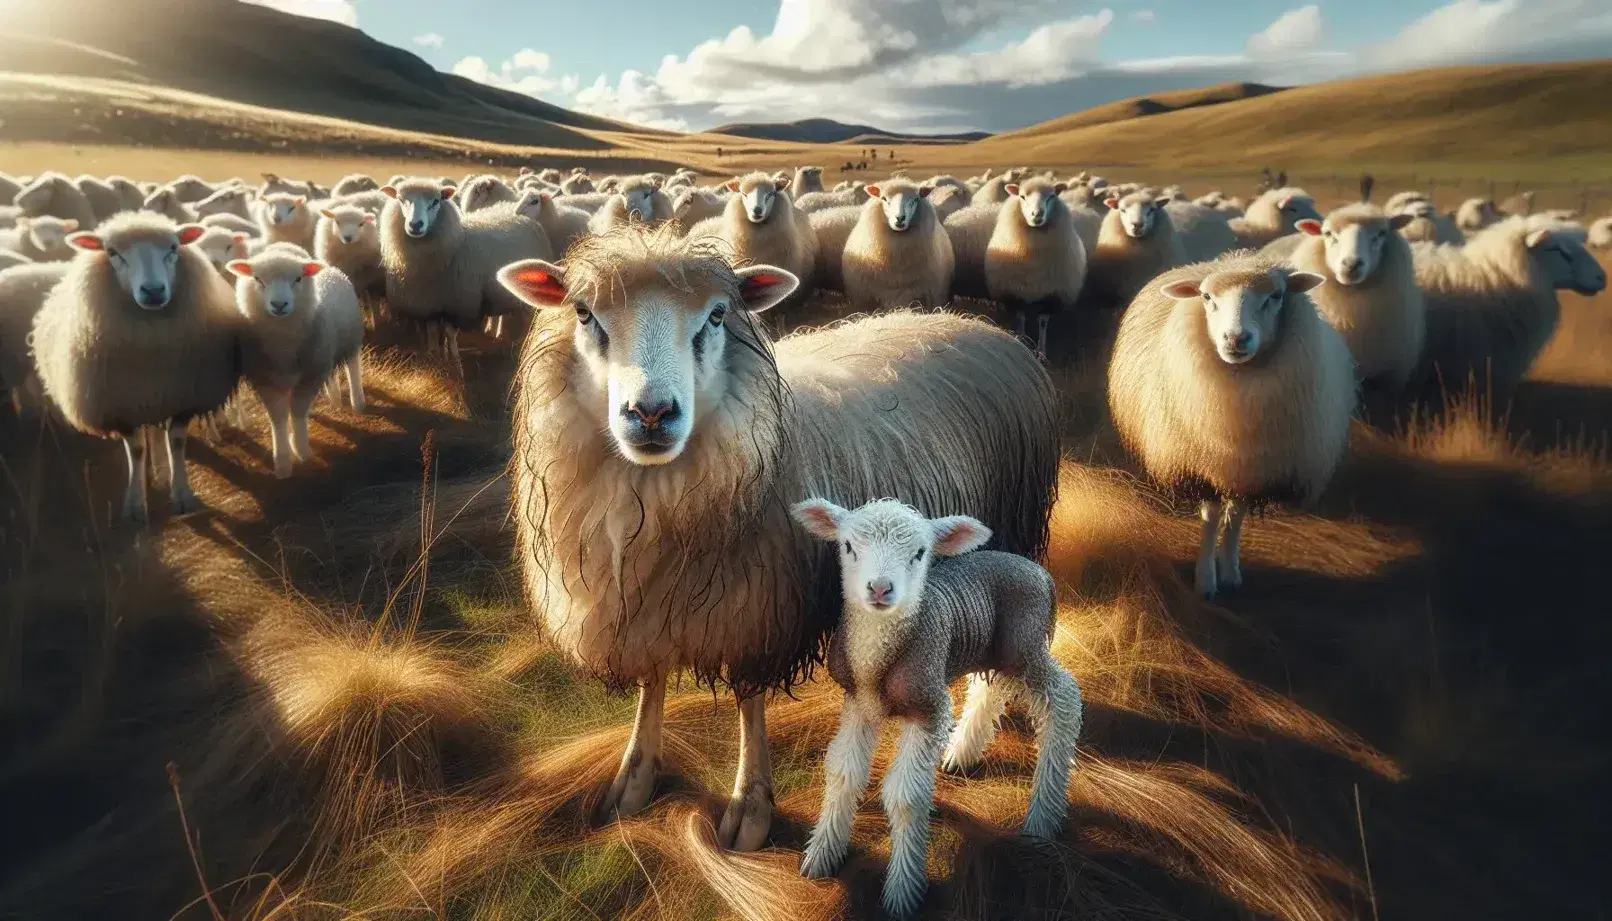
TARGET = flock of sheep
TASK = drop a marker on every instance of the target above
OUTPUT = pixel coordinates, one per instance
(686, 485)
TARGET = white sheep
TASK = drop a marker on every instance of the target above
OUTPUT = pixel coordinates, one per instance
(897, 254)
(349, 239)
(1205, 232)
(1426, 225)
(140, 337)
(40, 239)
(483, 192)
(165, 201)
(55, 195)
(563, 224)
(222, 246)
(190, 188)
(1600, 233)
(1273, 214)
(23, 290)
(970, 230)
(10, 259)
(353, 184)
(950, 199)
(807, 179)
(691, 206)
(287, 218)
(638, 199)
(1474, 214)
(994, 191)
(924, 607)
(820, 201)
(1230, 388)
(272, 185)
(1136, 244)
(104, 199)
(302, 325)
(759, 223)
(832, 227)
(1035, 261)
(577, 184)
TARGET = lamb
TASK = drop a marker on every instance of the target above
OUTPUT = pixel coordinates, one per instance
(40, 239)
(140, 337)
(54, 195)
(1273, 214)
(898, 253)
(1600, 233)
(760, 224)
(484, 192)
(591, 202)
(609, 185)
(994, 191)
(1035, 261)
(1136, 244)
(1426, 225)
(222, 246)
(104, 200)
(691, 206)
(348, 239)
(1399, 201)
(288, 219)
(832, 227)
(561, 223)
(1207, 419)
(550, 175)
(302, 324)
(352, 184)
(576, 184)
(274, 185)
(441, 265)
(819, 201)
(1491, 304)
(22, 293)
(165, 201)
(639, 199)
(1370, 297)
(1476, 214)
(685, 495)
(807, 179)
(236, 200)
(923, 607)
(373, 201)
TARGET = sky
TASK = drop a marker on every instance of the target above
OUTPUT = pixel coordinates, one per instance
(943, 65)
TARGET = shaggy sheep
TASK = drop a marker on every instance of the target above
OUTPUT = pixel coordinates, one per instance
(236, 200)
(807, 179)
(1035, 261)
(349, 239)
(288, 219)
(561, 223)
(441, 265)
(302, 324)
(639, 199)
(898, 254)
(832, 227)
(658, 426)
(1370, 297)
(40, 239)
(1136, 244)
(1491, 304)
(1476, 214)
(819, 201)
(484, 192)
(923, 607)
(609, 185)
(760, 224)
(1229, 388)
(352, 184)
(54, 195)
(141, 334)
(550, 175)
(23, 290)
(1273, 214)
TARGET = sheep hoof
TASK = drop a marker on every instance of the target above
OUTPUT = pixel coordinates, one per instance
(747, 820)
(186, 505)
(632, 789)
(1229, 575)
(135, 514)
(1204, 580)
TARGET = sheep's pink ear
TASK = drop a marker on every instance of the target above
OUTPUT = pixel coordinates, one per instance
(1060, 188)
(763, 286)
(1285, 203)
(1304, 281)
(325, 212)
(447, 192)
(240, 239)
(87, 242)
(1398, 221)
(270, 177)
(239, 267)
(545, 196)
(733, 185)
(1309, 226)
(1181, 290)
(190, 233)
(957, 534)
(926, 191)
(389, 191)
(783, 183)
(302, 199)
(538, 283)
(368, 219)
(310, 269)
(872, 190)
(1011, 188)
(1111, 202)
(820, 517)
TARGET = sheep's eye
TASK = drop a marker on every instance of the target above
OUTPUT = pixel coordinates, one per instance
(113, 254)
(848, 549)
(584, 315)
(718, 313)
(919, 555)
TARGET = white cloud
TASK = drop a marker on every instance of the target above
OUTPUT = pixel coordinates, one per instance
(522, 73)
(1474, 31)
(341, 11)
(1146, 17)
(1294, 32)
(429, 40)
(527, 59)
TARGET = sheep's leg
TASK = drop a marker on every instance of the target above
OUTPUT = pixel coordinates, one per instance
(433, 336)
(1204, 579)
(301, 405)
(640, 763)
(355, 382)
(456, 366)
(1228, 565)
(984, 706)
(909, 795)
(134, 494)
(849, 762)
(1057, 710)
(277, 404)
(1018, 323)
(181, 498)
(749, 813)
(1042, 322)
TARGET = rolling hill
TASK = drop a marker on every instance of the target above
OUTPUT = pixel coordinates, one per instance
(828, 131)
(1142, 106)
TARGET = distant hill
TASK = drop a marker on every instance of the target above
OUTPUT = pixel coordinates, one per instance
(1142, 106)
(828, 131)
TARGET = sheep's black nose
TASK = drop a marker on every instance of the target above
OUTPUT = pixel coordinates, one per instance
(280, 306)
(651, 415)
(1350, 265)
(153, 294)
(416, 226)
(1240, 340)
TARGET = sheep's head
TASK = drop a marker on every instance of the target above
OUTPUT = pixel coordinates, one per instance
(1561, 254)
(221, 247)
(1038, 200)
(1243, 308)
(900, 200)
(221, 202)
(640, 197)
(274, 283)
(421, 203)
(654, 316)
(37, 196)
(48, 233)
(1293, 206)
(533, 202)
(759, 192)
(886, 548)
(1354, 238)
(285, 209)
(1140, 213)
(350, 223)
(143, 252)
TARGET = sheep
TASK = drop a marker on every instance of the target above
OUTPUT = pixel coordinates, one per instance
(234, 223)
(222, 246)
(23, 289)
(484, 192)
(373, 201)
(40, 239)
(54, 195)
(9, 215)
(818, 201)
(140, 337)
(10, 259)
(550, 175)
(1137, 243)
(1370, 297)
(1035, 261)
(576, 184)
(898, 253)
(104, 200)
(1491, 304)
(685, 496)
(591, 202)
(352, 184)
(1426, 225)
(9, 187)
(288, 219)
(609, 185)
(1600, 233)
(191, 189)
(760, 224)
(274, 185)
(994, 191)
(1399, 201)
(1205, 233)
(639, 199)
(923, 607)
(562, 224)
(807, 179)
(691, 206)
(165, 201)
(348, 239)
(832, 227)
(302, 324)
(441, 264)
(1476, 214)
(1229, 387)
(970, 230)
(235, 200)
(950, 199)
(1273, 214)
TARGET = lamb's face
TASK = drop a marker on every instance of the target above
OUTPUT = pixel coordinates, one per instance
(1566, 262)
(533, 203)
(886, 547)
(221, 248)
(654, 356)
(271, 284)
(1139, 214)
(759, 200)
(421, 207)
(285, 209)
(1295, 208)
(50, 234)
(34, 198)
(1354, 247)
(1037, 202)
(640, 203)
(900, 204)
(226, 202)
(351, 224)
(1243, 313)
(144, 265)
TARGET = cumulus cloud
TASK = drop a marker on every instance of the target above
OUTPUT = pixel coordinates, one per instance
(1293, 32)
(1144, 16)
(429, 40)
(525, 72)
(341, 11)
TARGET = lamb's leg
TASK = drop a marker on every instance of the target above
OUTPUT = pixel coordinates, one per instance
(640, 763)
(181, 498)
(1228, 566)
(433, 336)
(355, 382)
(909, 795)
(1057, 710)
(749, 813)
(301, 404)
(1042, 322)
(134, 494)
(1018, 323)
(454, 363)
(849, 761)
(1204, 580)
(982, 708)
(277, 405)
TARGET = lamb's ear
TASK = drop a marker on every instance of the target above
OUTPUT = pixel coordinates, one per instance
(1163, 201)
(545, 196)
(1181, 290)
(539, 283)
(239, 267)
(1304, 281)
(1011, 188)
(240, 239)
(302, 199)
(447, 192)
(820, 517)
(1060, 188)
(369, 219)
(926, 191)
(783, 183)
(310, 269)
(87, 242)
(1312, 227)
(1397, 221)
(763, 286)
(733, 185)
(326, 212)
(389, 191)
(957, 534)
(1111, 202)
(1538, 238)
(190, 233)
(1285, 203)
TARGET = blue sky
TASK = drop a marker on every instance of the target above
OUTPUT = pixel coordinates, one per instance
(943, 64)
